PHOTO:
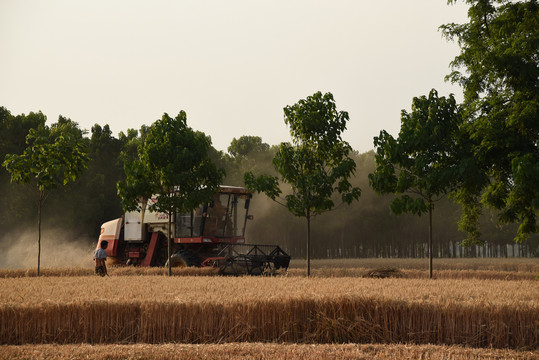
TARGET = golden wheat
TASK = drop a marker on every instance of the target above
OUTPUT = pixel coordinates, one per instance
(491, 264)
(113, 270)
(334, 268)
(190, 289)
(157, 309)
(258, 351)
(417, 274)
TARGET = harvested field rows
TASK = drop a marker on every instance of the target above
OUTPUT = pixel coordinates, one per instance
(257, 351)
(157, 309)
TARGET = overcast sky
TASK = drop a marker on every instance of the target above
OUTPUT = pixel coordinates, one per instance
(231, 65)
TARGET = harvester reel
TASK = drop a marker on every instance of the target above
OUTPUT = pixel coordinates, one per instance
(247, 259)
(242, 265)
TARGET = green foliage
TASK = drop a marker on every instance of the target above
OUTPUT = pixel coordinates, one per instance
(93, 199)
(136, 189)
(498, 68)
(173, 165)
(173, 160)
(423, 160)
(13, 130)
(267, 184)
(247, 145)
(316, 165)
(15, 199)
(247, 154)
(131, 142)
(362, 229)
(53, 156)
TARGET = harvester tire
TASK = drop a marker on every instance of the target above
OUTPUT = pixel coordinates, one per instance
(183, 259)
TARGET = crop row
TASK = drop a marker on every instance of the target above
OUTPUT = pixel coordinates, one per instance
(323, 272)
(258, 351)
(157, 309)
(224, 290)
(338, 320)
(491, 264)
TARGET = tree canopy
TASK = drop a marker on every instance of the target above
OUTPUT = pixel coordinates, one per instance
(54, 156)
(422, 165)
(498, 68)
(363, 229)
(174, 166)
(317, 163)
(247, 145)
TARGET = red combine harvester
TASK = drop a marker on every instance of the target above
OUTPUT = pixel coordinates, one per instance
(212, 235)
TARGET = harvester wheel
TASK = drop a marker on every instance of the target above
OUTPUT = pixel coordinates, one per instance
(183, 258)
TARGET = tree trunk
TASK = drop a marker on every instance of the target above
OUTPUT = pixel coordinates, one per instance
(168, 244)
(430, 240)
(39, 205)
(308, 249)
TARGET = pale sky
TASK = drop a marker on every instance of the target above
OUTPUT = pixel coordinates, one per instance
(231, 65)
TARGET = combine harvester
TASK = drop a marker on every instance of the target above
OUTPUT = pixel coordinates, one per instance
(212, 235)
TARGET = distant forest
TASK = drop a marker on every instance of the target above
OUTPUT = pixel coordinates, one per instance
(364, 229)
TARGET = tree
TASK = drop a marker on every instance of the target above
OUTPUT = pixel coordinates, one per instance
(131, 142)
(53, 156)
(248, 153)
(498, 68)
(174, 166)
(316, 165)
(247, 145)
(422, 161)
(13, 132)
(93, 199)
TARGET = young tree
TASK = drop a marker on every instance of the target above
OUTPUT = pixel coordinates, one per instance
(420, 166)
(13, 132)
(316, 165)
(174, 166)
(53, 156)
(498, 68)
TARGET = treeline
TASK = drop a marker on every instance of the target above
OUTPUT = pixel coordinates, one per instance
(364, 229)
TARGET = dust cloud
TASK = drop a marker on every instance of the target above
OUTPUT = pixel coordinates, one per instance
(260, 207)
(59, 248)
(273, 224)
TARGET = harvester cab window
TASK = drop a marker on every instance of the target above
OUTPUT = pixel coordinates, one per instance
(226, 218)
(190, 224)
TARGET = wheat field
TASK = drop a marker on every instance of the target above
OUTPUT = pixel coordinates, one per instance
(491, 264)
(189, 309)
(460, 268)
(473, 309)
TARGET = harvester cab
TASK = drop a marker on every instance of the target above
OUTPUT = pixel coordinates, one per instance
(211, 235)
(225, 217)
